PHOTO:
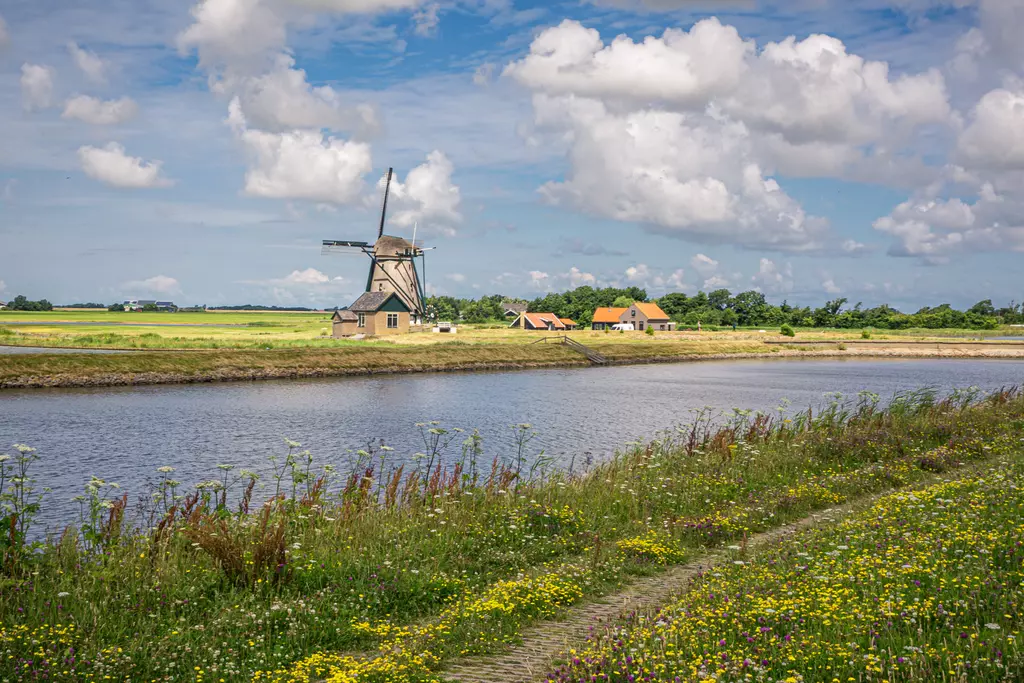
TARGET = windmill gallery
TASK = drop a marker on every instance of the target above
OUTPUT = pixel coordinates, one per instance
(395, 295)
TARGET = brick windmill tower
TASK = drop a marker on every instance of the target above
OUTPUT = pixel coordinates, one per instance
(392, 262)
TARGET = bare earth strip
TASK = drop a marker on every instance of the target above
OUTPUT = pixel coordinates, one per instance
(544, 643)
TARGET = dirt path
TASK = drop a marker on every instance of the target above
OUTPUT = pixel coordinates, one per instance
(543, 643)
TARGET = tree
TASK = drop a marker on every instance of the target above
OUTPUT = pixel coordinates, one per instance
(21, 303)
(719, 299)
(116, 307)
(623, 302)
(983, 308)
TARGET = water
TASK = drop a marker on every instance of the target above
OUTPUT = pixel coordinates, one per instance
(123, 434)
(11, 350)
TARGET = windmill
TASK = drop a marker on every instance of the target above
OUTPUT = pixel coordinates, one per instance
(392, 262)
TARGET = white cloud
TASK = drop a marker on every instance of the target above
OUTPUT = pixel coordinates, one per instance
(99, 112)
(685, 68)
(37, 86)
(158, 284)
(427, 196)
(995, 136)
(111, 165)
(88, 63)
(301, 164)
(426, 20)
(232, 32)
(773, 279)
(5, 38)
(644, 276)
(683, 175)
(681, 132)
(715, 282)
(831, 287)
(703, 264)
(456, 277)
(936, 224)
(282, 99)
(244, 34)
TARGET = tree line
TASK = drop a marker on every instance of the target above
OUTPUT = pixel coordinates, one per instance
(723, 308)
(22, 303)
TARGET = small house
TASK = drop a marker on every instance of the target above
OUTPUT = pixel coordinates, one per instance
(543, 321)
(377, 313)
(647, 315)
(604, 318)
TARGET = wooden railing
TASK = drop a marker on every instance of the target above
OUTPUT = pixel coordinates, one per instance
(592, 355)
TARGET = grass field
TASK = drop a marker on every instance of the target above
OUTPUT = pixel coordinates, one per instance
(262, 330)
(381, 573)
(236, 346)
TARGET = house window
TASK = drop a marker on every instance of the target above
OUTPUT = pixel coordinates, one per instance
(633, 313)
(641, 325)
(392, 321)
(362, 320)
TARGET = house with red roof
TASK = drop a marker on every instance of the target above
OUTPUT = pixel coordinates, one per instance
(643, 316)
(543, 321)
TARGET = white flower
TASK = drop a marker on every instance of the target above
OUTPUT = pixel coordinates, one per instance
(993, 627)
(63, 594)
(166, 469)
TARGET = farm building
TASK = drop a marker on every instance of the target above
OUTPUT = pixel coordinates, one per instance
(543, 321)
(641, 315)
(513, 309)
(604, 318)
(378, 313)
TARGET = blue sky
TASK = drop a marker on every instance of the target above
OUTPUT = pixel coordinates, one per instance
(811, 149)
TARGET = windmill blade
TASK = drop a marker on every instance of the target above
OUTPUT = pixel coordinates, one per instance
(384, 207)
(343, 247)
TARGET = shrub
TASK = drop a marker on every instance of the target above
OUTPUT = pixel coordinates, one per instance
(864, 334)
(787, 331)
(649, 332)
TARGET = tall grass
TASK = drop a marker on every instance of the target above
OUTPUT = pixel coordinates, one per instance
(450, 554)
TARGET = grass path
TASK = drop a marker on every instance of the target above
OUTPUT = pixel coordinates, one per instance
(544, 645)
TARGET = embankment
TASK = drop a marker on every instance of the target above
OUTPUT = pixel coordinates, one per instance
(178, 367)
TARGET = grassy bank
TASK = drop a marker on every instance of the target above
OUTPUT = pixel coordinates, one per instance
(924, 586)
(42, 370)
(385, 573)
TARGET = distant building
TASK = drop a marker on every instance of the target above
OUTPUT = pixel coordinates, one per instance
(513, 309)
(377, 313)
(2, 305)
(543, 321)
(139, 304)
(641, 315)
(604, 318)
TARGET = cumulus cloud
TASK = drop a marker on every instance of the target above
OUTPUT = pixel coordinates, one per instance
(831, 287)
(112, 166)
(245, 34)
(100, 112)
(158, 284)
(704, 264)
(994, 138)
(681, 132)
(37, 86)
(428, 196)
(88, 63)
(938, 222)
(456, 277)
(301, 164)
(282, 99)
(683, 175)
(642, 275)
(773, 279)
